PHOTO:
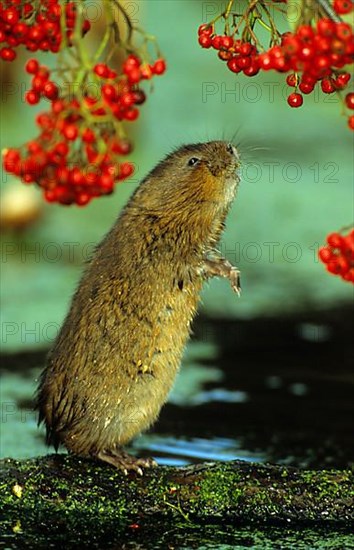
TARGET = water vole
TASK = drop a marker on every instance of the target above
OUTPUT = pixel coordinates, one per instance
(120, 346)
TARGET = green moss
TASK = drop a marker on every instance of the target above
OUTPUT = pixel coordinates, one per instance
(86, 493)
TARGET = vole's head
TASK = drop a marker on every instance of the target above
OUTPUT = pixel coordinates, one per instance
(218, 159)
(193, 176)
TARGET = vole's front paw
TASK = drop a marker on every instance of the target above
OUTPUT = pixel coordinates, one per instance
(126, 462)
(220, 267)
(235, 280)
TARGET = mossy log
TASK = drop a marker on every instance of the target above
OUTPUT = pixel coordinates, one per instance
(43, 489)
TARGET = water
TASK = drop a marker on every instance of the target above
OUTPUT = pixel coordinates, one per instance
(266, 390)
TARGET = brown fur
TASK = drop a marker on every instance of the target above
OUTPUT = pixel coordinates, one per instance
(120, 347)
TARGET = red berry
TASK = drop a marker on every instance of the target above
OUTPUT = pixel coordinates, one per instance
(139, 97)
(349, 100)
(134, 75)
(335, 240)
(292, 80)
(32, 66)
(82, 199)
(121, 147)
(322, 61)
(349, 243)
(86, 26)
(101, 70)
(343, 6)
(246, 48)
(305, 33)
(70, 131)
(36, 33)
(216, 42)
(7, 54)
(326, 27)
(244, 62)
(325, 254)
(61, 148)
(127, 99)
(20, 31)
(50, 90)
(109, 92)
(205, 29)
(10, 16)
(131, 114)
(58, 106)
(106, 182)
(305, 88)
(322, 43)
(32, 97)
(224, 55)
(265, 61)
(252, 70)
(342, 80)
(132, 62)
(50, 195)
(348, 276)
(343, 31)
(88, 136)
(226, 42)
(290, 44)
(342, 264)
(70, 10)
(351, 122)
(306, 52)
(38, 83)
(233, 65)
(327, 86)
(295, 100)
(333, 267)
(205, 40)
(125, 170)
(159, 67)
(146, 71)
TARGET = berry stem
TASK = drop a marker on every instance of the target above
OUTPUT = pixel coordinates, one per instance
(262, 23)
(83, 55)
(228, 9)
(346, 228)
(274, 30)
(104, 41)
(126, 18)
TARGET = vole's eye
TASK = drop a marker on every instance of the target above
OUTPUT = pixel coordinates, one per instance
(193, 161)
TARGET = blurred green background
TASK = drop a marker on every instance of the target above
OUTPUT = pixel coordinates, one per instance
(296, 184)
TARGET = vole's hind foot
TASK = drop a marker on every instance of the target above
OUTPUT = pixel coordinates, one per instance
(126, 462)
(220, 267)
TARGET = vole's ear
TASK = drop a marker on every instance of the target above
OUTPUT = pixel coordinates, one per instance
(193, 161)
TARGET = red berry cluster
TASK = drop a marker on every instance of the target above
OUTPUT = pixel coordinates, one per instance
(312, 54)
(77, 155)
(41, 85)
(119, 97)
(36, 24)
(338, 255)
(239, 55)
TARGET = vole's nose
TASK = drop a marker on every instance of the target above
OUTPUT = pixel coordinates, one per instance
(232, 150)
